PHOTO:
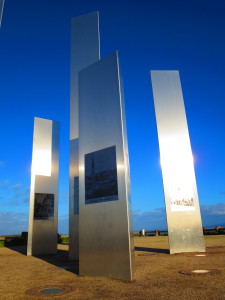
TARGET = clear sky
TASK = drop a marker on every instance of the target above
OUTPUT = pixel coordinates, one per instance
(187, 35)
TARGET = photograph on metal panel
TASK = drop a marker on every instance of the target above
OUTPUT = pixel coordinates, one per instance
(76, 195)
(101, 176)
(43, 206)
(181, 200)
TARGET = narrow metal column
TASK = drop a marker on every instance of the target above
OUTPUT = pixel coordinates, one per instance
(43, 217)
(1, 10)
(105, 241)
(181, 197)
(84, 51)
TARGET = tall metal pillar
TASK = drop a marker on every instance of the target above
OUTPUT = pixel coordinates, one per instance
(180, 190)
(105, 242)
(85, 50)
(1, 10)
(43, 216)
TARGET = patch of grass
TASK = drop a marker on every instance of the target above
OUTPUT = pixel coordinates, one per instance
(2, 243)
(65, 240)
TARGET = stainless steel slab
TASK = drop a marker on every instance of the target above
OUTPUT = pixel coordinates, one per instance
(85, 50)
(105, 239)
(180, 190)
(43, 222)
(1, 10)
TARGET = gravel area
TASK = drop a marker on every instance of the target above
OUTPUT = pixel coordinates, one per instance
(157, 274)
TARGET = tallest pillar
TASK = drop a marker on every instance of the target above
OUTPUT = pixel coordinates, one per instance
(85, 50)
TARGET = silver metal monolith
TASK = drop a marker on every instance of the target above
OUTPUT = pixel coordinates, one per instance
(105, 243)
(85, 50)
(43, 216)
(180, 190)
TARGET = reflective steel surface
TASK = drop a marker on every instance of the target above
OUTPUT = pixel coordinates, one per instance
(1, 10)
(180, 190)
(105, 240)
(85, 50)
(42, 233)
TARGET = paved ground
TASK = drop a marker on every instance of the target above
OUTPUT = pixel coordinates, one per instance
(156, 276)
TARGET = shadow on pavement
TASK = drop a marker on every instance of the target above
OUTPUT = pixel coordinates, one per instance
(155, 250)
(19, 249)
(59, 260)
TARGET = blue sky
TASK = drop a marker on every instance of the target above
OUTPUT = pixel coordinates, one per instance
(150, 35)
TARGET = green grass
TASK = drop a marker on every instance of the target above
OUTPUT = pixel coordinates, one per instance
(2, 243)
(65, 240)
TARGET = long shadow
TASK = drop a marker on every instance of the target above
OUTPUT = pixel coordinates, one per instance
(20, 249)
(155, 250)
(59, 260)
